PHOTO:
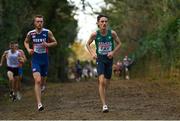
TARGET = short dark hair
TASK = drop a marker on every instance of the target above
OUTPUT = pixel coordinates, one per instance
(12, 42)
(100, 16)
(38, 16)
(16, 43)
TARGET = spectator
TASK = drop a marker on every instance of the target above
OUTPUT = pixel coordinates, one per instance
(126, 65)
(78, 70)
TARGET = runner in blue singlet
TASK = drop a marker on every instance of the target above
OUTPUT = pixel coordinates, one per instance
(41, 39)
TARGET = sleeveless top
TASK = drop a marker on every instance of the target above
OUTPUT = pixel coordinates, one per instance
(12, 59)
(104, 44)
(37, 40)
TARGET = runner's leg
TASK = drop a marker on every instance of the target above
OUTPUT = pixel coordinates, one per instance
(102, 86)
(37, 87)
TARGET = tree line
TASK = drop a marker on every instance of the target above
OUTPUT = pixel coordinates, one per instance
(150, 33)
(16, 20)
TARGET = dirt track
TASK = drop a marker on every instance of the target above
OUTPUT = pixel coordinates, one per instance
(133, 99)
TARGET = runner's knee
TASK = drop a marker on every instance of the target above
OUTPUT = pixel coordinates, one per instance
(102, 80)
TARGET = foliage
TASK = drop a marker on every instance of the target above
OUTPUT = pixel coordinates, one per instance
(16, 20)
(148, 29)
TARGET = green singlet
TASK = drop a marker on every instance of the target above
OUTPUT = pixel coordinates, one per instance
(104, 44)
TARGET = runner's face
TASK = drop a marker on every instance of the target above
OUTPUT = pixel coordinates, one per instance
(10, 46)
(16, 46)
(102, 23)
(38, 22)
(13, 47)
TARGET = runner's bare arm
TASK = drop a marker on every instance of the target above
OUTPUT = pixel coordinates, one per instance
(52, 39)
(23, 55)
(26, 44)
(3, 57)
(117, 40)
(91, 39)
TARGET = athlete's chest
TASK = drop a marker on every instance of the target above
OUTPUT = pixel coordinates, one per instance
(107, 38)
(12, 56)
(39, 38)
(104, 41)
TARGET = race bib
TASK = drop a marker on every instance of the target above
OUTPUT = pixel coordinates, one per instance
(104, 48)
(38, 48)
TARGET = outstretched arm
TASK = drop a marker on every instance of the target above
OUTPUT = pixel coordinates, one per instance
(91, 39)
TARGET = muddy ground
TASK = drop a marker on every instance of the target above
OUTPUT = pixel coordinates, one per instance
(127, 100)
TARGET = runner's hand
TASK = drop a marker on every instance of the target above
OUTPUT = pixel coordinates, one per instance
(21, 59)
(45, 44)
(95, 57)
(30, 51)
(110, 55)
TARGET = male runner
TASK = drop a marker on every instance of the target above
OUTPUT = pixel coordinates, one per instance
(41, 39)
(105, 51)
(22, 58)
(12, 58)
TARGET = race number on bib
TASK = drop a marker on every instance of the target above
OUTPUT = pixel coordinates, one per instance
(38, 48)
(104, 48)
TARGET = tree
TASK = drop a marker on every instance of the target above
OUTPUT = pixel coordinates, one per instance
(148, 29)
(16, 20)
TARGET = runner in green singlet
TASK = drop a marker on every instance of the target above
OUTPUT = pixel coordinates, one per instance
(105, 51)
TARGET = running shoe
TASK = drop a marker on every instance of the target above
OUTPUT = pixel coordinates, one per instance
(43, 88)
(19, 96)
(127, 77)
(14, 97)
(11, 94)
(105, 109)
(40, 107)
